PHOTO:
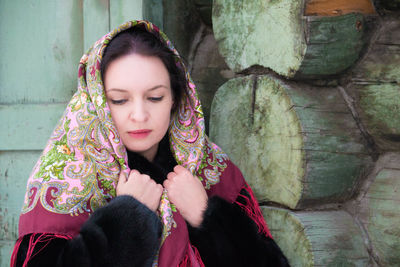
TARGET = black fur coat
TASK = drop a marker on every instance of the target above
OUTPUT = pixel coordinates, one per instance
(226, 237)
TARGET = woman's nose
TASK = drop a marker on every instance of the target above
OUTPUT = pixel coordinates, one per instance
(138, 112)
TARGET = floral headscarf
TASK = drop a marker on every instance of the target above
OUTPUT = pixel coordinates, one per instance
(80, 165)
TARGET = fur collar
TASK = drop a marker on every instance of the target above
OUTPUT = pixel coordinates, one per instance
(163, 163)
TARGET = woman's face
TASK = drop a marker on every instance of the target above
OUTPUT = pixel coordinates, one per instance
(138, 91)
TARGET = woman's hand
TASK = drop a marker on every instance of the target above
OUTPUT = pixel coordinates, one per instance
(141, 187)
(188, 194)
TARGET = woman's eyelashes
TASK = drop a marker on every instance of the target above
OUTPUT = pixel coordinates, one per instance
(123, 101)
(155, 98)
(118, 102)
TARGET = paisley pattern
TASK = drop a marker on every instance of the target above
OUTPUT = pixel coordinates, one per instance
(79, 167)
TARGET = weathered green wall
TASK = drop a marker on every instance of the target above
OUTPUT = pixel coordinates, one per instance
(41, 44)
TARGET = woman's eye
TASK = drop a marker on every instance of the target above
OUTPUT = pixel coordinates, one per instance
(118, 102)
(156, 99)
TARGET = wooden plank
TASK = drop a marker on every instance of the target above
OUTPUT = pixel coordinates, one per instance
(28, 126)
(39, 55)
(6, 248)
(124, 10)
(15, 168)
(338, 7)
(153, 11)
(96, 21)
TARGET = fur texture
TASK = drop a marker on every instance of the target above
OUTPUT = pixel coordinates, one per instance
(126, 232)
(123, 233)
(227, 237)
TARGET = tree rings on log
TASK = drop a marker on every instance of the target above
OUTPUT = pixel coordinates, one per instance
(296, 145)
(319, 238)
(379, 210)
(277, 35)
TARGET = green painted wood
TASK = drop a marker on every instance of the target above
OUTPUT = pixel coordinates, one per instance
(124, 10)
(153, 11)
(375, 86)
(380, 110)
(381, 64)
(15, 167)
(6, 248)
(319, 238)
(251, 33)
(288, 232)
(333, 44)
(28, 126)
(296, 145)
(41, 43)
(379, 210)
(96, 21)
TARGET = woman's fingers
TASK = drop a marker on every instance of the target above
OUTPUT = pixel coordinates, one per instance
(141, 187)
(187, 193)
(122, 177)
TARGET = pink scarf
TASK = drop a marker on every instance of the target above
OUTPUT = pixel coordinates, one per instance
(79, 168)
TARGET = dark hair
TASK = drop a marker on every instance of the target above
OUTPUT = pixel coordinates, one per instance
(139, 41)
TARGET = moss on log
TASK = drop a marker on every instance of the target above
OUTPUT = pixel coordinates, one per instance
(376, 86)
(276, 35)
(296, 145)
(321, 238)
(379, 210)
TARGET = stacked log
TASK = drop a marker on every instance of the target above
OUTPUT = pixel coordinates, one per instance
(377, 209)
(312, 120)
(375, 86)
(318, 238)
(296, 145)
(293, 38)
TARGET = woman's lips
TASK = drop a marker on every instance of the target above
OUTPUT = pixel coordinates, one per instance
(139, 134)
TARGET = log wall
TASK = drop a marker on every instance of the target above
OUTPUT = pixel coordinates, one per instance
(316, 135)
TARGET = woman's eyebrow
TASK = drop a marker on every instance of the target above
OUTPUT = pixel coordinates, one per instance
(150, 89)
(116, 89)
(156, 87)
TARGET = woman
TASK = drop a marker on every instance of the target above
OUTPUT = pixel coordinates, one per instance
(131, 152)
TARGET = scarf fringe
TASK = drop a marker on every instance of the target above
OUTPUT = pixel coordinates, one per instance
(186, 262)
(35, 239)
(252, 210)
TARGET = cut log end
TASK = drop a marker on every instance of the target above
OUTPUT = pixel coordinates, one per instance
(325, 238)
